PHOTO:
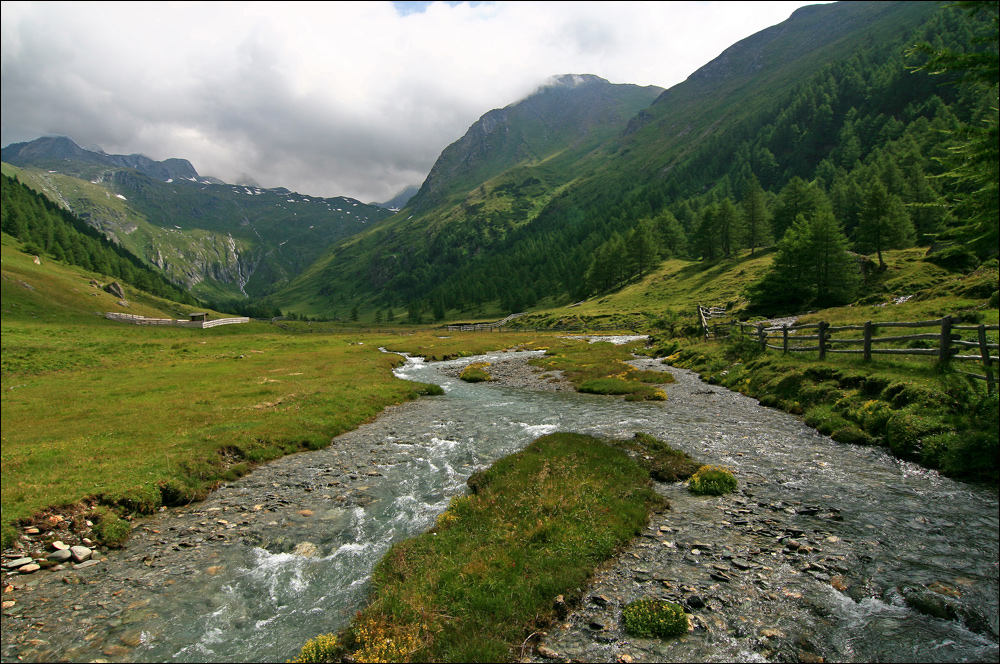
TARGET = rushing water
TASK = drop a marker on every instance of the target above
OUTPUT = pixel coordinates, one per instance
(899, 526)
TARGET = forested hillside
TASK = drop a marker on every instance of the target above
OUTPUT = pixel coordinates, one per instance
(819, 135)
(48, 230)
(221, 241)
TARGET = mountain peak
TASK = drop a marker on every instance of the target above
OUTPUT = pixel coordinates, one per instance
(62, 153)
(573, 80)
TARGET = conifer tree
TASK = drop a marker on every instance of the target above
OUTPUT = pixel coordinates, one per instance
(755, 228)
(883, 223)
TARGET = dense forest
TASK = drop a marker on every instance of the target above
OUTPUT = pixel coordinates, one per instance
(45, 228)
(891, 147)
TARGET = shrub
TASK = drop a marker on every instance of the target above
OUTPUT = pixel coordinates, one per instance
(476, 373)
(741, 346)
(905, 432)
(852, 435)
(712, 481)
(323, 648)
(650, 617)
(109, 529)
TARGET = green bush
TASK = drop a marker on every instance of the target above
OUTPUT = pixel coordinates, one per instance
(905, 433)
(741, 346)
(109, 529)
(712, 481)
(323, 648)
(650, 617)
(476, 373)
(851, 435)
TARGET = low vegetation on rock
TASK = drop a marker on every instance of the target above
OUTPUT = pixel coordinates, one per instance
(654, 618)
(712, 481)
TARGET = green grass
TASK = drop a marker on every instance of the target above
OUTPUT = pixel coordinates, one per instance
(599, 368)
(664, 463)
(134, 417)
(476, 373)
(917, 409)
(535, 527)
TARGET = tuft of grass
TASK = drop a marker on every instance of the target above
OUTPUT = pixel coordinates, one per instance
(536, 525)
(664, 463)
(599, 368)
(655, 618)
(476, 373)
(712, 481)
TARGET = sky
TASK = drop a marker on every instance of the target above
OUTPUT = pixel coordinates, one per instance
(327, 98)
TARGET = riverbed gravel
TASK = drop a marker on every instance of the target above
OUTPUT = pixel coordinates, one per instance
(758, 570)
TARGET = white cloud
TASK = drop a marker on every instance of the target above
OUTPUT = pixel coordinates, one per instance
(345, 98)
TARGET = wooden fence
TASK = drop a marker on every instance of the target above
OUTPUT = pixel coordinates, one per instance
(143, 320)
(705, 314)
(947, 344)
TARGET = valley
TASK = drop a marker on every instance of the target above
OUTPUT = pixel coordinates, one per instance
(346, 477)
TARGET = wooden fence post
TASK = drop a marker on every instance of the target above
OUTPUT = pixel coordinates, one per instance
(784, 337)
(822, 339)
(984, 352)
(944, 349)
(868, 341)
(762, 336)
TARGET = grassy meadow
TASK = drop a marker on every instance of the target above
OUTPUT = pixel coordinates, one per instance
(136, 417)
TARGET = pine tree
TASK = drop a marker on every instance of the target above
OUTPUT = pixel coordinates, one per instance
(883, 223)
(755, 220)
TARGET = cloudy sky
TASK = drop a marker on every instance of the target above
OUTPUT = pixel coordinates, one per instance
(327, 98)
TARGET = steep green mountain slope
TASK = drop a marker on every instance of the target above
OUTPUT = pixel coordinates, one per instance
(47, 230)
(220, 241)
(484, 186)
(828, 97)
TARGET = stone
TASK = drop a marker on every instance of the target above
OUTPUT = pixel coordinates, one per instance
(59, 555)
(18, 562)
(547, 653)
(30, 568)
(560, 607)
(59, 546)
(80, 553)
(943, 589)
(115, 289)
(31, 530)
(601, 600)
(695, 602)
(772, 633)
(307, 549)
(88, 563)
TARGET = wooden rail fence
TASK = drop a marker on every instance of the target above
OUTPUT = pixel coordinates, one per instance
(143, 320)
(946, 341)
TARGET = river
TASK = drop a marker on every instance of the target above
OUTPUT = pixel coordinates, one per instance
(828, 550)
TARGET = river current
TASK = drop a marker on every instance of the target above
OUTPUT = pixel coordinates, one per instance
(285, 553)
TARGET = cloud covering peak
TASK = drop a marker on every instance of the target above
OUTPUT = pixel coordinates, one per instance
(347, 98)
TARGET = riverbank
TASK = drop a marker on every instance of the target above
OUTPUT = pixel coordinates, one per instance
(284, 508)
(244, 568)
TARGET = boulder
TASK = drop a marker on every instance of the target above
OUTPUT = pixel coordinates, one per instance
(80, 553)
(115, 289)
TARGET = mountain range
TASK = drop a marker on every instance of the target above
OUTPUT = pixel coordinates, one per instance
(514, 211)
(219, 240)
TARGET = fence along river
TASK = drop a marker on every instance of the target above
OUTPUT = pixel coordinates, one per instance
(277, 578)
